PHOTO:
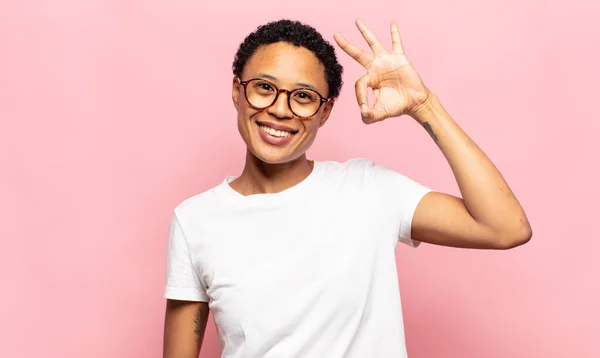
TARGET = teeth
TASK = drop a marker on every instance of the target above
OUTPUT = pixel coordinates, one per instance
(275, 132)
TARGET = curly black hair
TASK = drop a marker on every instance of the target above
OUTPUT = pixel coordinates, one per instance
(297, 34)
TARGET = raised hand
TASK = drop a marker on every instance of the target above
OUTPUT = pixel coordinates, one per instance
(397, 87)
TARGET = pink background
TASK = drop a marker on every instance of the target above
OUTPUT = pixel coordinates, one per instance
(112, 112)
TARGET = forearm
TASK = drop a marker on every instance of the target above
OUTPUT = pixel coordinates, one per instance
(485, 193)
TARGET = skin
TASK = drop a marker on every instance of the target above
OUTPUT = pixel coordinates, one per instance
(269, 168)
(185, 324)
(488, 216)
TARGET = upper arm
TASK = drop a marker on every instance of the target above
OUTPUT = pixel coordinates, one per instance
(185, 323)
(183, 280)
(443, 219)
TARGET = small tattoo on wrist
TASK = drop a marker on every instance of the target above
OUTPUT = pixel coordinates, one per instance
(430, 131)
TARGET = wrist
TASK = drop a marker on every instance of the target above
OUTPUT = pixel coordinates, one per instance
(428, 110)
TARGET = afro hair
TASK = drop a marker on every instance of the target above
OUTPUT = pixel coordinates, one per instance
(297, 34)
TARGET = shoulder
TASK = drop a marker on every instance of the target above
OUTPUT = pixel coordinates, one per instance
(197, 204)
(350, 166)
(372, 176)
(360, 175)
(360, 168)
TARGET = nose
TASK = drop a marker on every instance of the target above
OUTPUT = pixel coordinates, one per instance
(280, 108)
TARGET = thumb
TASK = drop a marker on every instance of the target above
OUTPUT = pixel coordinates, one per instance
(362, 87)
(377, 112)
(366, 114)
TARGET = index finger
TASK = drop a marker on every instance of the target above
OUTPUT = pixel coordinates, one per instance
(359, 55)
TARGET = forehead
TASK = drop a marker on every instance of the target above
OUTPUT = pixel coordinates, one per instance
(287, 63)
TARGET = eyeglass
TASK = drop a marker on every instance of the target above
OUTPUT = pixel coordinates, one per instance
(261, 94)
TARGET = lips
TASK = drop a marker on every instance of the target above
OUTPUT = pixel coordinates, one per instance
(275, 140)
(279, 127)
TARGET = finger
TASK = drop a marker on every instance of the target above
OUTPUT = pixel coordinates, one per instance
(377, 113)
(371, 39)
(359, 55)
(373, 115)
(362, 92)
(396, 40)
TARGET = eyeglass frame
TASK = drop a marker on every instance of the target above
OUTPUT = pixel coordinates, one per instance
(286, 91)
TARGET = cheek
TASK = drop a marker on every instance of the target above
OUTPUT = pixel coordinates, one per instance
(310, 134)
(244, 114)
(313, 125)
(242, 121)
(312, 128)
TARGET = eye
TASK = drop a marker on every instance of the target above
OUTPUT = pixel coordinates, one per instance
(264, 87)
(304, 96)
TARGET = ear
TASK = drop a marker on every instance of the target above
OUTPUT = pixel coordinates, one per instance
(327, 108)
(235, 91)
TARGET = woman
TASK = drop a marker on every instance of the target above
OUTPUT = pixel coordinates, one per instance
(296, 258)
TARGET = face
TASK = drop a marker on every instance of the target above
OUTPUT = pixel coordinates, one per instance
(275, 135)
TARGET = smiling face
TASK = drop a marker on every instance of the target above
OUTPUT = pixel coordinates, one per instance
(274, 134)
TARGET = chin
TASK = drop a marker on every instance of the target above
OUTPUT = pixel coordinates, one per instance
(275, 156)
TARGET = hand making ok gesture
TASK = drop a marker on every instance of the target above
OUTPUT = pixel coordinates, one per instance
(397, 87)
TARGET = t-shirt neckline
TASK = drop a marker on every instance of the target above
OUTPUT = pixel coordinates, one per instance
(297, 191)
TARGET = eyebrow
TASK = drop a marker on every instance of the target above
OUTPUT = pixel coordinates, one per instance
(300, 84)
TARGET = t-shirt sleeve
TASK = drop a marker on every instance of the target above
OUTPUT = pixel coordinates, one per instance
(400, 196)
(183, 282)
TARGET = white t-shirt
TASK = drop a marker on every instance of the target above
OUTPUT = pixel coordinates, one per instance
(307, 272)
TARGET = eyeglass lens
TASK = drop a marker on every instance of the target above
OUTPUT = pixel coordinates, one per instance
(302, 102)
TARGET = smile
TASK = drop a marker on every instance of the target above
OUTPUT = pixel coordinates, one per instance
(275, 132)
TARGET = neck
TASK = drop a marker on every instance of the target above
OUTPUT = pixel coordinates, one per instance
(259, 177)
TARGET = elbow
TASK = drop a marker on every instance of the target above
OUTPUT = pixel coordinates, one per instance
(516, 237)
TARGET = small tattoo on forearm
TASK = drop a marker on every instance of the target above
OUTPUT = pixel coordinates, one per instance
(430, 131)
